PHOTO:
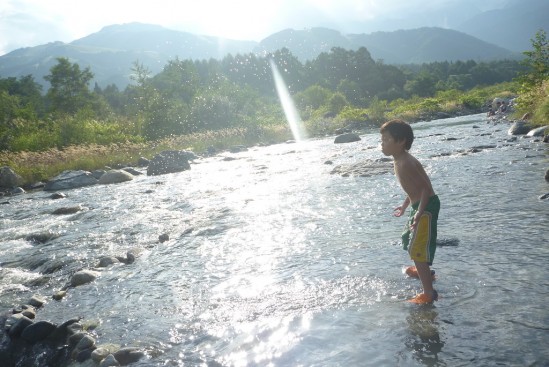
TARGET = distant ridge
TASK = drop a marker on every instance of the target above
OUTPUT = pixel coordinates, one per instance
(111, 52)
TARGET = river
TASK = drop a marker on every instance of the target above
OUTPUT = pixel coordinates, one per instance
(273, 261)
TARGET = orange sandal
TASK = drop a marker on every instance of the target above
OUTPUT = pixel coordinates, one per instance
(423, 298)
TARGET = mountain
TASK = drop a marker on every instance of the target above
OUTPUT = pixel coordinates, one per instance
(111, 52)
(413, 46)
(511, 27)
(425, 45)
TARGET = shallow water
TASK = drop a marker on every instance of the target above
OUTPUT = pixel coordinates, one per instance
(273, 261)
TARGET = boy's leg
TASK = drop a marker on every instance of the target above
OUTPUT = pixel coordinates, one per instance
(429, 295)
(424, 273)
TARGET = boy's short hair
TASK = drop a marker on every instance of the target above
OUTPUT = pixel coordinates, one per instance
(399, 130)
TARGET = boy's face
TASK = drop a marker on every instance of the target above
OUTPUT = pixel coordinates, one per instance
(389, 146)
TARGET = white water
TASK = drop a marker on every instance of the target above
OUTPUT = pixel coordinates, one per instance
(274, 261)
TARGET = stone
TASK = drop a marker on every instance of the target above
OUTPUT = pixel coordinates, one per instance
(170, 161)
(109, 361)
(38, 331)
(83, 277)
(85, 342)
(128, 355)
(346, 138)
(142, 162)
(106, 261)
(540, 131)
(37, 301)
(70, 180)
(519, 128)
(132, 171)
(68, 210)
(115, 176)
(8, 178)
(103, 351)
(59, 295)
(163, 237)
(19, 326)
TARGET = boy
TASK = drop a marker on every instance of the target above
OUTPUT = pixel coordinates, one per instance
(421, 232)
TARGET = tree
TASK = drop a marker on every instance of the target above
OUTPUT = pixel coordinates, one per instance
(69, 91)
(537, 61)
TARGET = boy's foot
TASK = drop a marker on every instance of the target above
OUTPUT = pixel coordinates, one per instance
(424, 298)
(411, 271)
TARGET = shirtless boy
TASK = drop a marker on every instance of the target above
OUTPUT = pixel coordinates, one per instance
(420, 235)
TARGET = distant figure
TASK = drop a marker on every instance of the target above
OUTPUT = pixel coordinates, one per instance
(420, 234)
(490, 112)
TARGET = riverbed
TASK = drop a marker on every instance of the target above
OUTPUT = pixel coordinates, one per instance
(272, 260)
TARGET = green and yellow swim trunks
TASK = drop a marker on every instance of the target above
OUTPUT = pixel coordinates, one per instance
(422, 243)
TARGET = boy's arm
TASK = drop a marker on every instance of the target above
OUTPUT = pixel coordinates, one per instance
(425, 195)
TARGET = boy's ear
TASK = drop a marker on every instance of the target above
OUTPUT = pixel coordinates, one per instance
(401, 142)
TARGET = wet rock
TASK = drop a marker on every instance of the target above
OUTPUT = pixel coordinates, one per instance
(115, 176)
(8, 178)
(519, 127)
(346, 138)
(37, 301)
(61, 333)
(109, 361)
(12, 320)
(85, 342)
(133, 254)
(42, 237)
(38, 331)
(57, 195)
(59, 295)
(75, 338)
(68, 210)
(70, 180)
(128, 355)
(103, 351)
(163, 237)
(544, 196)
(142, 162)
(21, 324)
(83, 277)
(540, 131)
(84, 355)
(17, 191)
(132, 171)
(170, 161)
(106, 261)
(547, 175)
(98, 173)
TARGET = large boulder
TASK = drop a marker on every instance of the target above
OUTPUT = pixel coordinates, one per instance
(540, 131)
(170, 161)
(520, 127)
(9, 179)
(346, 138)
(115, 176)
(70, 180)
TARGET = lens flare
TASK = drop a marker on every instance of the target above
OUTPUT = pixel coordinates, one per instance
(292, 116)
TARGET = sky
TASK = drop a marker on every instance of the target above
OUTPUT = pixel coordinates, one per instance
(27, 23)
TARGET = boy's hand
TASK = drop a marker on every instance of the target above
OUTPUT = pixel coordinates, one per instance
(415, 221)
(399, 210)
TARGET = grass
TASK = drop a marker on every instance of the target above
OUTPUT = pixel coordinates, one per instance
(42, 165)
